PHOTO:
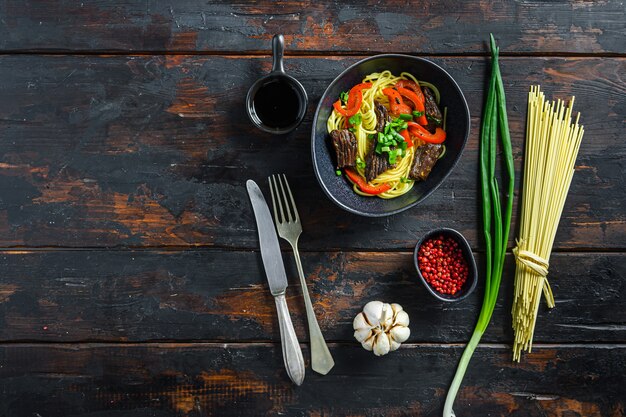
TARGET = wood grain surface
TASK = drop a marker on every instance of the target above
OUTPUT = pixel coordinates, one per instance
(130, 278)
(440, 27)
(212, 295)
(154, 151)
(246, 379)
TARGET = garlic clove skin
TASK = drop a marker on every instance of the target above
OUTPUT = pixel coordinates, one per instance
(381, 344)
(401, 319)
(396, 308)
(362, 334)
(400, 333)
(360, 322)
(368, 344)
(373, 311)
(394, 345)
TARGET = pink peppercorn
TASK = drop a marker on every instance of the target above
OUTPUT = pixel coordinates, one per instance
(442, 265)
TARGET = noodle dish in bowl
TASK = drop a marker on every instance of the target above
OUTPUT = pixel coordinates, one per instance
(387, 132)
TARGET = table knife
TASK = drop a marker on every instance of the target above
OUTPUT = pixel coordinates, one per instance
(277, 279)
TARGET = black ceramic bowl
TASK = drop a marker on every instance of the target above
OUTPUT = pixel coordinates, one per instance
(338, 188)
(470, 283)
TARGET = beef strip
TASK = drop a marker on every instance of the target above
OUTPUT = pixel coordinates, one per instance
(424, 161)
(345, 146)
(376, 164)
(382, 116)
(432, 110)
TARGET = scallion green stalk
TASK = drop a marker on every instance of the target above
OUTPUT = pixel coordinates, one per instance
(496, 230)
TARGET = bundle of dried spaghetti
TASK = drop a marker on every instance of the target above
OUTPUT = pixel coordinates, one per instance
(552, 143)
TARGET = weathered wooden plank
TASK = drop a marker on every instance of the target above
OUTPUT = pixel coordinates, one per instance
(428, 27)
(249, 380)
(223, 296)
(152, 151)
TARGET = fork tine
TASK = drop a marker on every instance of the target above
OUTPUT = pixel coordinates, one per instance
(269, 179)
(279, 200)
(282, 188)
(293, 203)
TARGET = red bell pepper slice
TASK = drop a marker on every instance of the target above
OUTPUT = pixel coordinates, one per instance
(396, 104)
(364, 186)
(408, 84)
(355, 98)
(438, 137)
(419, 103)
(407, 138)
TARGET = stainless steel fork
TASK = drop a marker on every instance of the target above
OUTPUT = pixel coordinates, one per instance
(289, 228)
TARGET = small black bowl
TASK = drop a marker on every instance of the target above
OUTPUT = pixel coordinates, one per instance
(278, 76)
(472, 277)
(338, 188)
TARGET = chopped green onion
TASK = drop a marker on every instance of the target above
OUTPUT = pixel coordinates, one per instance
(398, 136)
(344, 97)
(338, 172)
(434, 119)
(355, 120)
(385, 149)
(418, 113)
(405, 117)
(359, 162)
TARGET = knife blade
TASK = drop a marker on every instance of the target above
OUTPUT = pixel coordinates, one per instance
(277, 279)
(270, 249)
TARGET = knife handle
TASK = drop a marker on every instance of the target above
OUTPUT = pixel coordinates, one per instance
(292, 355)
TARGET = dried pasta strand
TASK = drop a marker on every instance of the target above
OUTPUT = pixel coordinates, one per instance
(552, 144)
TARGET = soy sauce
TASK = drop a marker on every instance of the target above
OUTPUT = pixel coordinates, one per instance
(277, 104)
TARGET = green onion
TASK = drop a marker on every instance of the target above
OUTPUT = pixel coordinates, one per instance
(355, 120)
(397, 136)
(338, 172)
(359, 162)
(418, 113)
(494, 117)
(434, 119)
(344, 97)
(385, 149)
(405, 117)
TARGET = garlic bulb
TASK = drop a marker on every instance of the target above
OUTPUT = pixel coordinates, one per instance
(381, 327)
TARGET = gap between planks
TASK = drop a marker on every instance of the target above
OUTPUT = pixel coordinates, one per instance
(19, 249)
(222, 345)
(310, 54)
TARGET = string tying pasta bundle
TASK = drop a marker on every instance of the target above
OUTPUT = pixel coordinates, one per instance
(552, 144)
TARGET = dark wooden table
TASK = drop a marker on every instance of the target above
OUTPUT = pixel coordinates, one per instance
(131, 281)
